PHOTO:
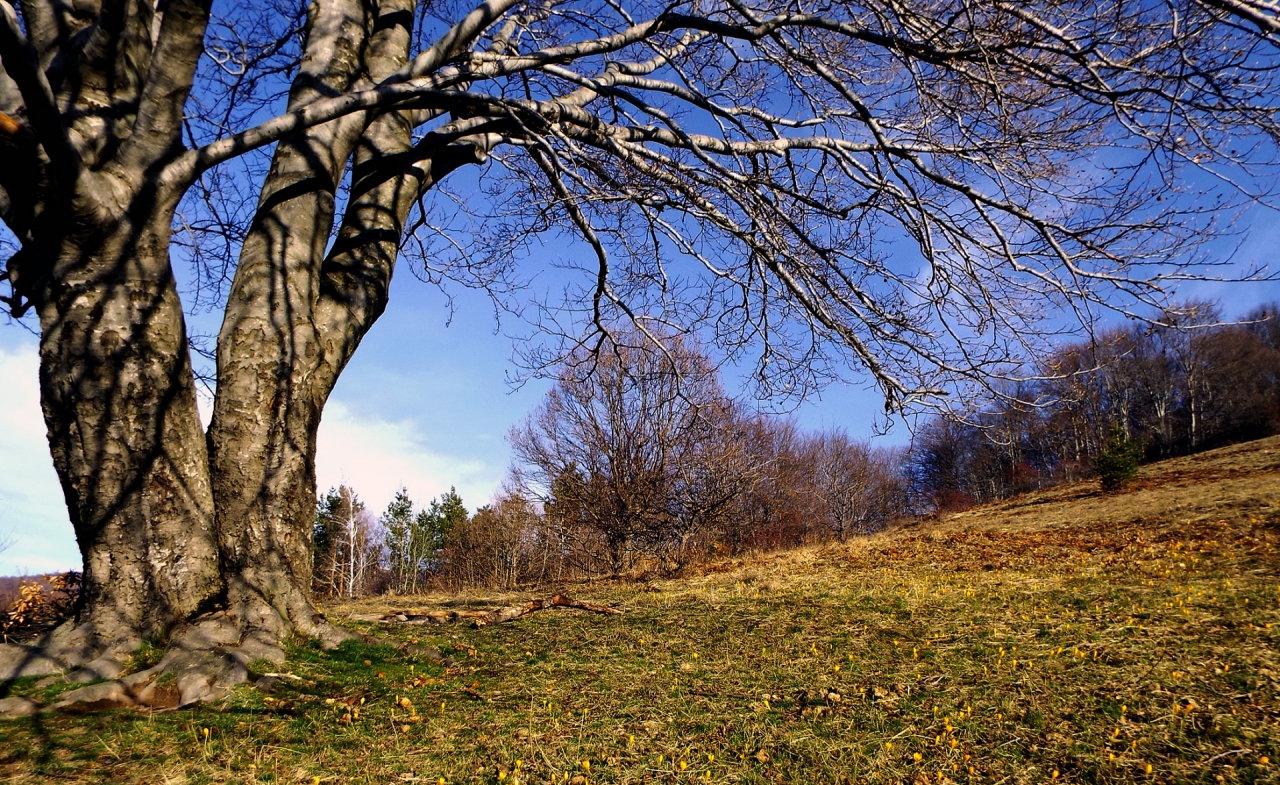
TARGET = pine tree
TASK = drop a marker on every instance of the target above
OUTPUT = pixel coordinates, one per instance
(1118, 461)
(414, 542)
(399, 523)
(434, 523)
(451, 512)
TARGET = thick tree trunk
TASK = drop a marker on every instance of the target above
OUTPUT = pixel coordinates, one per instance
(268, 405)
(267, 410)
(296, 315)
(173, 522)
(92, 207)
(119, 401)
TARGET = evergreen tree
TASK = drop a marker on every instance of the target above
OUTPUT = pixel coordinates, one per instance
(414, 542)
(399, 524)
(441, 517)
(325, 534)
(450, 512)
(1118, 461)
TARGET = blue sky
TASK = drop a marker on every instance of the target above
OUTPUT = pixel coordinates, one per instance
(422, 404)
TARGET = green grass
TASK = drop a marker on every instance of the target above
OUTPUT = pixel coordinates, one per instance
(994, 655)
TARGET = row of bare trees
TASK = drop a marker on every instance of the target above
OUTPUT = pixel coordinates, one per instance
(638, 460)
(635, 461)
(1191, 383)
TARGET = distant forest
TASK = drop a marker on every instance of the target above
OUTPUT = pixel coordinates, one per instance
(1173, 391)
(638, 463)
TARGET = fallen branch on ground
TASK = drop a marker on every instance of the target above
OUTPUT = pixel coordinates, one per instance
(482, 618)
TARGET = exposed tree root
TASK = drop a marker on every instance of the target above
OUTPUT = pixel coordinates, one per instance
(71, 647)
(204, 660)
(482, 618)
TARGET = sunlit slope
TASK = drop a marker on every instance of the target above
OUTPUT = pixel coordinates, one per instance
(1059, 637)
(1234, 483)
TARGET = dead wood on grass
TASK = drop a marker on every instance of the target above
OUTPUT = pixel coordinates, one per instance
(480, 618)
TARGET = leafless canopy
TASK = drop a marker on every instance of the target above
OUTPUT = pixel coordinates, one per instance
(909, 188)
(913, 189)
(638, 450)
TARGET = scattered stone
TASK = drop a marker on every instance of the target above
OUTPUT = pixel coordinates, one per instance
(16, 706)
(267, 684)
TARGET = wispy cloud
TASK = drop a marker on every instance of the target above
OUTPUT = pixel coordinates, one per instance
(32, 512)
(376, 457)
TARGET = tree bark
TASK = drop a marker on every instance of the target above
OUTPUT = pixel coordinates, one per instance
(119, 401)
(294, 318)
(101, 93)
(267, 410)
(172, 521)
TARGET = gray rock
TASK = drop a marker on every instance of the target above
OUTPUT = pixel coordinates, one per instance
(18, 707)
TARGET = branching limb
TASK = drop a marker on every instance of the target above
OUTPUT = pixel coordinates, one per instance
(22, 65)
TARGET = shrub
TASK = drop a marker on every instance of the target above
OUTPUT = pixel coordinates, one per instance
(42, 604)
(1118, 461)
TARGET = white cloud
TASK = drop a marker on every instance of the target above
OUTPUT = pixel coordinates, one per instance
(32, 512)
(376, 457)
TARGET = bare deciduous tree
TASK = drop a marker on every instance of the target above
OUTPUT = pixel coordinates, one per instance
(347, 548)
(501, 546)
(629, 447)
(859, 485)
(1170, 389)
(903, 188)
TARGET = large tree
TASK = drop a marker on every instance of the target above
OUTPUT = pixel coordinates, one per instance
(906, 188)
(635, 450)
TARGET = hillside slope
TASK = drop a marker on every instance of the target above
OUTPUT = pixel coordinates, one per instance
(1233, 482)
(1063, 636)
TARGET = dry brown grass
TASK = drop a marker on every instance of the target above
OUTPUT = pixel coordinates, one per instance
(1233, 482)
(1060, 632)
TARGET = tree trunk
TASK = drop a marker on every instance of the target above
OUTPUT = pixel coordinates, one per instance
(171, 521)
(267, 408)
(285, 340)
(86, 195)
(119, 401)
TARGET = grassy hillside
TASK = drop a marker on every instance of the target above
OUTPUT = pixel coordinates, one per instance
(1058, 637)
